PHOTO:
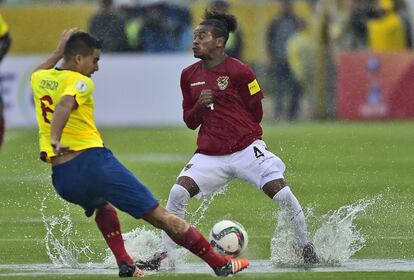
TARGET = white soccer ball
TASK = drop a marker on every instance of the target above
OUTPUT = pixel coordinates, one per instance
(229, 238)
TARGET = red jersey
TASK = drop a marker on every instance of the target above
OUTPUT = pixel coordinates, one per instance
(234, 123)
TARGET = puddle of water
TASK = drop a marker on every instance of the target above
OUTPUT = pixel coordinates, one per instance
(256, 266)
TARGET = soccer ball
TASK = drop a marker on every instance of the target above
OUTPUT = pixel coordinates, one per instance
(229, 238)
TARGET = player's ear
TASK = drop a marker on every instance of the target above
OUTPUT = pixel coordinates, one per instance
(220, 42)
(77, 59)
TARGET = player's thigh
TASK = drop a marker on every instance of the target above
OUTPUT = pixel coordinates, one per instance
(257, 165)
(122, 189)
(74, 183)
(210, 173)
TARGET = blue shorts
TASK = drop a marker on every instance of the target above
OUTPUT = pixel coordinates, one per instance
(95, 177)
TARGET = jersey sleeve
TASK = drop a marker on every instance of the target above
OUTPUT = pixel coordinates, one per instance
(80, 87)
(33, 79)
(248, 86)
(4, 28)
(192, 111)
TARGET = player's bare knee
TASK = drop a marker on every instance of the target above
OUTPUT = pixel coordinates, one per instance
(173, 225)
(177, 226)
(273, 187)
(189, 184)
(157, 217)
(170, 223)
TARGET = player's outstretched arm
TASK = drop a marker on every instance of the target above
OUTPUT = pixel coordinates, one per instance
(60, 118)
(57, 54)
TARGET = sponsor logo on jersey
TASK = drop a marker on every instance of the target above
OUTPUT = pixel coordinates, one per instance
(81, 86)
(197, 84)
(223, 82)
(254, 87)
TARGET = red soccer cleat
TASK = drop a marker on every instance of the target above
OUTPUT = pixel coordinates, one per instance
(232, 266)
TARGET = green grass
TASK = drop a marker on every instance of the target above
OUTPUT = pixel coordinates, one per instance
(279, 276)
(328, 165)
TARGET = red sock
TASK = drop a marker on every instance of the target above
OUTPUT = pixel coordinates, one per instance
(108, 223)
(198, 245)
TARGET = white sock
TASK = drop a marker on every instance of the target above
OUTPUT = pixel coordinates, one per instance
(290, 205)
(176, 204)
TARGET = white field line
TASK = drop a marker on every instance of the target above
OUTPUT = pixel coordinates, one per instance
(256, 266)
(125, 158)
(36, 220)
(42, 239)
(154, 158)
(45, 178)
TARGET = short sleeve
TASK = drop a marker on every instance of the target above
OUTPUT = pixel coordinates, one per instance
(33, 79)
(80, 87)
(248, 86)
(188, 103)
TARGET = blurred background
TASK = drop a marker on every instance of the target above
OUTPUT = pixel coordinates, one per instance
(315, 59)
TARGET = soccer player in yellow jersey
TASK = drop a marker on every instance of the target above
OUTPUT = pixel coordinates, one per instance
(86, 173)
(5, 42)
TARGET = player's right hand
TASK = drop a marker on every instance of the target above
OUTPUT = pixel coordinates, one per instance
(206, 98)
(65, 37)
(60, 149)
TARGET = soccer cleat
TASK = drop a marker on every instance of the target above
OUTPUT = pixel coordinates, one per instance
(309, 254)
(231, 267)
(152, 264)
(130, 270)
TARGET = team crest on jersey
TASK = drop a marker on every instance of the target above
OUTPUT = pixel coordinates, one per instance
(81, 86)
(223, 82)
(188, 166)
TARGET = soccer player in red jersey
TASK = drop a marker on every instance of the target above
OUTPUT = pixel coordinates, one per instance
(86, 173)
(222, 98)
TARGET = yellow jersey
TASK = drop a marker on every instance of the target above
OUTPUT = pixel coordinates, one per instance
(80, 132)
(387, 34)
(4, 28)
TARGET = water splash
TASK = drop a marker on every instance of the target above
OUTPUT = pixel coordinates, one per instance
(60, 247)
(197, 216)
(141, 243)
(283, 243)
(336, 240)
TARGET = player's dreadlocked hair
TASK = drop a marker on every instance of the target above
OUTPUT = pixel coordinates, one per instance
(222, 23)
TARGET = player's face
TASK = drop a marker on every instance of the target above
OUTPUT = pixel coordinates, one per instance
(89, 64)
(204, 43)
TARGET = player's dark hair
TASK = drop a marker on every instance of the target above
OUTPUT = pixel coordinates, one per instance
(81, 43)
(222, 23)
(107, 3)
